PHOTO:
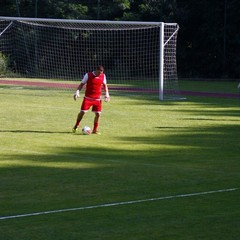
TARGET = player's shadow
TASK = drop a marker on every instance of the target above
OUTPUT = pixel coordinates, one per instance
(34, 131)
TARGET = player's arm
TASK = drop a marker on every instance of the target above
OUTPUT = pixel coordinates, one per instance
(105, 87)
(77, 93)
(80, 86)
(107, 96)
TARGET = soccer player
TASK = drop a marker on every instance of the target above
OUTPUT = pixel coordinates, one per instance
(94, 82)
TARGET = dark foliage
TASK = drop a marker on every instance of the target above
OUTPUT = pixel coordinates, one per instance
(208, 43)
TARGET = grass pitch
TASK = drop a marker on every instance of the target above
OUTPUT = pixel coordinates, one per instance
(148, 149)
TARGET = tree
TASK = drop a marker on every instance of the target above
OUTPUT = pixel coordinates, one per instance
(208, 40)
(7, 8)
(201, 30)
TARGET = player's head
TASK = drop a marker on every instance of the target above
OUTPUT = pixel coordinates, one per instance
(99, 69)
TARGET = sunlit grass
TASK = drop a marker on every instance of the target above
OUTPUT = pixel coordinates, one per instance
(27, 163)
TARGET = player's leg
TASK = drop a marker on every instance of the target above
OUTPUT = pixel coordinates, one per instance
(86, 104)
(97, 108)
(96, 122)
(79, 118)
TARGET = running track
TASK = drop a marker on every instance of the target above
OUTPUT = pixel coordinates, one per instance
(74, 86)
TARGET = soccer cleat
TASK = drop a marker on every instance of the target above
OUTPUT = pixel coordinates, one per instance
(96, 132)
(74, 129)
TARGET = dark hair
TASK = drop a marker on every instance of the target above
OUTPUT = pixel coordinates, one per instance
(100, 67)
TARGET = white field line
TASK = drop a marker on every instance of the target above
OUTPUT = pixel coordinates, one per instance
(118, 203)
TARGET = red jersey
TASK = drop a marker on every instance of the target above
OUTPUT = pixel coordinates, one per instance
(94, 85)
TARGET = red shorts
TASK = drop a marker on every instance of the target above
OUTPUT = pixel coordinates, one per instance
(95, 104)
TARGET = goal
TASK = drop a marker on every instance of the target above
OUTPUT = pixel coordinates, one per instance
(137, 56)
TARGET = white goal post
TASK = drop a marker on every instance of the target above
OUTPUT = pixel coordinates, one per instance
(137, 56)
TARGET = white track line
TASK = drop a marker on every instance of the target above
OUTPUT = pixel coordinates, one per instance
(118, 203)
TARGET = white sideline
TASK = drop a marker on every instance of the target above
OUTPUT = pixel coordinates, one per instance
(118, 203)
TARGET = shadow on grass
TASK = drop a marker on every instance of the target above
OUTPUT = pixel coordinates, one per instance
(188, 145)
(183, 160)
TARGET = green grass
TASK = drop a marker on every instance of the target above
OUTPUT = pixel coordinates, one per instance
(148, 149)
(214, 86)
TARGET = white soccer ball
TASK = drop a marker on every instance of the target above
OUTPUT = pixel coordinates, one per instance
(86, 130)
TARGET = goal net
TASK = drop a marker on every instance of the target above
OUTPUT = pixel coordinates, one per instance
(137, 56)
